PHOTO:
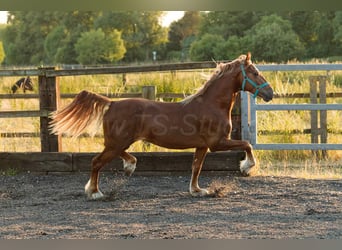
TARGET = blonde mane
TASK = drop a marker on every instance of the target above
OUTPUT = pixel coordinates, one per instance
(221, 69)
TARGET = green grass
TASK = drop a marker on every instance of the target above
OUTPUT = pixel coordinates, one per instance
(10, 172)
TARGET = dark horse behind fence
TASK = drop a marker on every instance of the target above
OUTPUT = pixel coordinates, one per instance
(24, 83)
(201, 121)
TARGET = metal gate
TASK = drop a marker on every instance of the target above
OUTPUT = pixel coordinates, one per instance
(249, 130)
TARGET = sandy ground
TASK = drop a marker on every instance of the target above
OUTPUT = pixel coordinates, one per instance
(149, 207)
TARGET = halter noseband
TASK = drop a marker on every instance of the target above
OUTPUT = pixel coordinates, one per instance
(254, 84)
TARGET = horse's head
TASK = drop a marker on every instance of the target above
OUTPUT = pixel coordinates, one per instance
(27, 84)
(24, 83)
(252, 80)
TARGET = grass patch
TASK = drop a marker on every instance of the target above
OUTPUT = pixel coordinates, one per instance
(306, 169)
(10, 172)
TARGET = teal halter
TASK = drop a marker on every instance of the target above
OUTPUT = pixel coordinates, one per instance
(254, 84)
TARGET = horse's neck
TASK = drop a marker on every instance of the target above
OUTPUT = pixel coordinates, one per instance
(17, 85)
(20, 82)
(221, 94)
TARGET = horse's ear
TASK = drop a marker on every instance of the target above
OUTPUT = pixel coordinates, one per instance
(249, 56)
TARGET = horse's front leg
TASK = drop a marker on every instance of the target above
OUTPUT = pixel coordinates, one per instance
(248, 163)
(197, 163)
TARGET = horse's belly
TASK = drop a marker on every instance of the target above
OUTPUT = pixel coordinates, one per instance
(181, 134)
(176, 142)
(173, 137)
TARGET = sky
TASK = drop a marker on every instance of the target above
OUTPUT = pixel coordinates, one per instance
(3, 16)
(171, 16)
(168, 18)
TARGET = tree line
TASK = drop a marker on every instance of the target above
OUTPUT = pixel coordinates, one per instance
(107, 37)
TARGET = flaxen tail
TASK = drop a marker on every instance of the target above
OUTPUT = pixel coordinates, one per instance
(84, 112)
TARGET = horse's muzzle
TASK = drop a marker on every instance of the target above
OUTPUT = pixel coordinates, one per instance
(267, 94)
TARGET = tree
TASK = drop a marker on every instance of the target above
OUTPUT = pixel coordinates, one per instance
(140, 31)
(303, 23)
(53, 43)
(323, 45)
(317, 31)
(95, 47)
(272, 39)
(337, 26)
(215, 47)
(206, 48)
(182, 29)
(47, 37)
(186, 45)
(75, 23)
(25, 34)
(232, 48)
(229, 23)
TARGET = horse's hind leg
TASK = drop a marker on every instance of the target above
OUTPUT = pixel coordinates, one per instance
(246, 165)
(92, 187)
(129, 163)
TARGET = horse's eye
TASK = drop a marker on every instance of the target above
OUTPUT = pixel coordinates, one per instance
(256, 73)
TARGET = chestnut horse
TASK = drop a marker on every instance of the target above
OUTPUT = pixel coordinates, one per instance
(201, 121)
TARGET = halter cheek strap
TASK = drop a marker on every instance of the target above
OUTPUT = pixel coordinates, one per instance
(254, 84)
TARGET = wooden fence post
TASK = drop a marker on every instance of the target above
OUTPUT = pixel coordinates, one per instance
(321, 131)
(149, 92)
(48, 101)
(124, 79)
(323, 113)
(236, 119)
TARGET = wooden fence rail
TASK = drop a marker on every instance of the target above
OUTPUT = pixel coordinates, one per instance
(149, 163)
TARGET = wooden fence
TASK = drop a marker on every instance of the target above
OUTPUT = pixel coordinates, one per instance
(49, 95)
(148, 163)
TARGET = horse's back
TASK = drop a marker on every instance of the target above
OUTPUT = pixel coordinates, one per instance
(139, 106)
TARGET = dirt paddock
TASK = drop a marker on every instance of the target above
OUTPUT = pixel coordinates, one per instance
(148, 207)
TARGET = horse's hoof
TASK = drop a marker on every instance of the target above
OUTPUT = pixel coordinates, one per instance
(245, 173)
(129, 168)
(91, 194)
(246, 167)
(250, 171)
(128, 172)
(96, 196)
(199, 193)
